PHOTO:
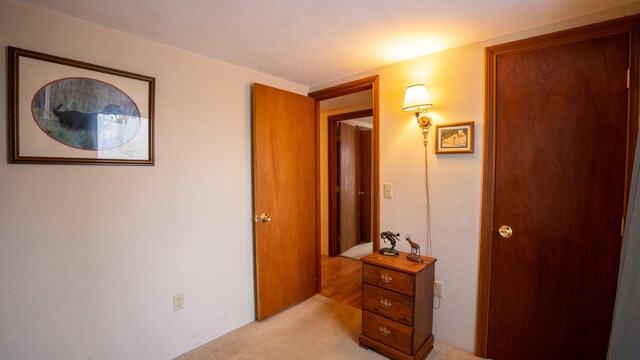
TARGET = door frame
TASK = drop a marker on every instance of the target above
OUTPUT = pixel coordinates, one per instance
(368, 83)
(629, 24)
(332, 171)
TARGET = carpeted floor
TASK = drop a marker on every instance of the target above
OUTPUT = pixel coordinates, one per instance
(318, 328)
(359, 251)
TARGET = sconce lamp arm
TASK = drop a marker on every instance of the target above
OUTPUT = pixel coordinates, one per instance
(424, 121)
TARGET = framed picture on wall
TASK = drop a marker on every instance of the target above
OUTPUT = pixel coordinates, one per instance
(63, 111)
(454, 138)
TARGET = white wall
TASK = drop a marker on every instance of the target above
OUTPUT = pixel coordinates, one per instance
(455, 79)
(90, 256)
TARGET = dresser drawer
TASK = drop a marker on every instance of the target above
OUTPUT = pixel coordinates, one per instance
(387, 303)
(388, 332)
(388, 279)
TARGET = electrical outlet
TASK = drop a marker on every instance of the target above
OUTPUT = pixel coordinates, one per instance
(437, 289)
(178, 302)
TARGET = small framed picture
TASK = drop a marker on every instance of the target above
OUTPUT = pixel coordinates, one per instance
(454, 138)
(63, 111)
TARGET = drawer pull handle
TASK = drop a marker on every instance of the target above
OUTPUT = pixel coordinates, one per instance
(386, 278)
(385, 303)
(384, 331)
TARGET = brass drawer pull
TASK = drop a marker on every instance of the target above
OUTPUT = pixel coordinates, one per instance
(384, 331)
(385, 303)
(385, 278)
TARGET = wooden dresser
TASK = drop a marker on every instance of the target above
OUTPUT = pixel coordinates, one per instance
(397, 306)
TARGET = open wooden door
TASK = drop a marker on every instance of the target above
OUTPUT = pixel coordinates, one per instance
(349, 187)
(284, 202)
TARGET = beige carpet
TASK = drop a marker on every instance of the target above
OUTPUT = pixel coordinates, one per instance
(318, 328)
(359, 251)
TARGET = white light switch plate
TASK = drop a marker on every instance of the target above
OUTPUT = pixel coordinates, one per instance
(388, 190)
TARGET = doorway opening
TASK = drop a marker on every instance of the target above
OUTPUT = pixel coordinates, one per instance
(352, 109)
(350, 174)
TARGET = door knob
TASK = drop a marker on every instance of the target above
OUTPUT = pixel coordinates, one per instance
(505, 231)
(265, 218)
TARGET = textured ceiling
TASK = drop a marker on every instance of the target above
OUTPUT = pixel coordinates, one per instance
(316, 41)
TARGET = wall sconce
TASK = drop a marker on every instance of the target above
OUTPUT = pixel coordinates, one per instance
(417, 100)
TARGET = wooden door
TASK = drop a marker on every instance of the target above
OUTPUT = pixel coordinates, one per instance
(349, 188)
(560, 158)
(284, 190)
(366, 189)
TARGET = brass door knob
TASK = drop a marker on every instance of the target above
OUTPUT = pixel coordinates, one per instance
(505, 231)
(265, 218)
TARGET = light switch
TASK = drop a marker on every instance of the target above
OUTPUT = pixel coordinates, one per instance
(388, 190)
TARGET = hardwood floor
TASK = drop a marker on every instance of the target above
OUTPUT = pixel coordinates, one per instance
(342, 280)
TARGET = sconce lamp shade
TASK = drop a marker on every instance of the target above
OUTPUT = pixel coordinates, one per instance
(416, 98)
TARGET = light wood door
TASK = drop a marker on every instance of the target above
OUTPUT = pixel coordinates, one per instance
(561, 145)
(284, 190)
(349, 187)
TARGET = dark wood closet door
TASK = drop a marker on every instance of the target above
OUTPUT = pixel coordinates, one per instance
(561, 137)
(349, 187)
(366, 185)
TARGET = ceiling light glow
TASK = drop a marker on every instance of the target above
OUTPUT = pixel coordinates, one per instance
(412, 48)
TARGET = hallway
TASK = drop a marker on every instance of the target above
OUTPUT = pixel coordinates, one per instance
(342, 280)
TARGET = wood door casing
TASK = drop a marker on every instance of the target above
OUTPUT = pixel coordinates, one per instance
(284, 178)
(371, 82)
(582, 88)
(349, 160)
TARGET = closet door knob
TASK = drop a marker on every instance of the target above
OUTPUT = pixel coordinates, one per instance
(505, 231)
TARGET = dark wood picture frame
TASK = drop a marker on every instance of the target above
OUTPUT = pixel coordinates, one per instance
(446, 143)
(111, 136)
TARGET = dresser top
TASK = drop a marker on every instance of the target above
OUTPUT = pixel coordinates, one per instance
(400, 263)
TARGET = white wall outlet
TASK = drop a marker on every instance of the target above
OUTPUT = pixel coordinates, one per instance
(178, 302)
(437, 289)
(388, 190)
